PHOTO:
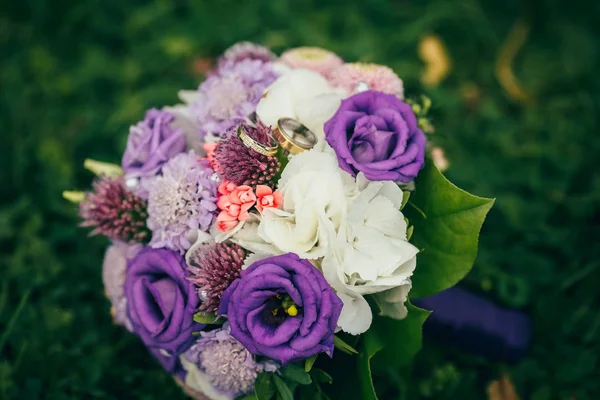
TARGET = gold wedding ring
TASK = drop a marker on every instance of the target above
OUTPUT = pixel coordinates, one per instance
(260, 148)
(293, 136)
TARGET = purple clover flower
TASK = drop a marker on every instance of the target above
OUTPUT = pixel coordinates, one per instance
(228, 98)
(181, 201)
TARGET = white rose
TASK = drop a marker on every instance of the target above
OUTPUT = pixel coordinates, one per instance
(371, 255)
(302, 95)
(314, 205)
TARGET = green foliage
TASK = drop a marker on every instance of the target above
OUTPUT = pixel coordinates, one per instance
(208, 318)
(264, 387)
(75, 75)
(296, 373)
(402, 339)
(372, 344)
(343, 346)
(446, 224)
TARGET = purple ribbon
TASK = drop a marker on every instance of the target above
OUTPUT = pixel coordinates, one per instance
(476, 325)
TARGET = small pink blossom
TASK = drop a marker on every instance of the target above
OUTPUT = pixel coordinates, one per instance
(358, 77)
(226, 222)
(234, 203)
(312, 58)
(267, 198)
(226, 187)
(210, 154)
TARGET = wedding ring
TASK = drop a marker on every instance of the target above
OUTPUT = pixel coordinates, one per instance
(260, 148)
(293, 136)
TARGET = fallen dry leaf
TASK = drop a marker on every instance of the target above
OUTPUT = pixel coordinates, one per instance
(437, 62)
(502, 389)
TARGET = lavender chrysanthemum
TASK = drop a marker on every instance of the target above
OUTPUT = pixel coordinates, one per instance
(228, 365)
(113, 276)
(240, 164)
(213, 267)
(246, 51)
(113, 211)
(181, 201)
(231, 96)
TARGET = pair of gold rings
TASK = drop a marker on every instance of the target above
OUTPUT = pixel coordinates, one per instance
(293, 136)
(266, 150)
(290, 134)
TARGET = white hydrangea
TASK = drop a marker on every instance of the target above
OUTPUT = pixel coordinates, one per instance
(371, 255)
(303, 95)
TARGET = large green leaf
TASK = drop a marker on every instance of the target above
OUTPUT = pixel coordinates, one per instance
(402, 339)
(371, 345)
(264, 388)
(447, 221)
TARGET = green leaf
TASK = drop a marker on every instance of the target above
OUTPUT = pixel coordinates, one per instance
(208, 318)
(263, 387)
(100, 168)
(447, 222)
(283, 391)
(371, 346)
(343, 346)
(402, 338)
(321, 376)
(409, 232)
(249, 397)
(308, 364)
(296, 373)
(73, 196)
(405, 197)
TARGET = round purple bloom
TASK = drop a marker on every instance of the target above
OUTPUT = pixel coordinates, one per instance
(282, 307)
(228, 98)
(377, 134)
(161, 303)
(245, 51)
(171, 364)
(113, 276)
(151, 143)
(227, 365)
(181, 201)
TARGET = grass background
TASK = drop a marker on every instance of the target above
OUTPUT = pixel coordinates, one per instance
(75, 74)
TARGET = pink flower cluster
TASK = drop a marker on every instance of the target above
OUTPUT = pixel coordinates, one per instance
(235, 203)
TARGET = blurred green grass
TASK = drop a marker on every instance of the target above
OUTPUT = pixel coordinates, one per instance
(75, 75)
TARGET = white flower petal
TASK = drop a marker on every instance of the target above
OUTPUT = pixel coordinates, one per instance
(303, 95)
(391, 302)
(254, 257)
(356, 316)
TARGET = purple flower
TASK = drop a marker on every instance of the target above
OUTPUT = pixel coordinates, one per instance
(213, 267)
(161, 303)
(112, 210)
(171, 364)
(240, 164)
(151, 143)
(181, 201)
(245, 51)
(226, 364)
(377, 134)
(113, 276)
(228, 98)
(282, 307)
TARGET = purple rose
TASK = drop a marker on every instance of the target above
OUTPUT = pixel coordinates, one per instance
(151, 143)
(161, 302)
(377, 134)
(282, 307)
(170, 363)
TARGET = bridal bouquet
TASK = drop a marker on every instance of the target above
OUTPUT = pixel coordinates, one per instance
(267, 233)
